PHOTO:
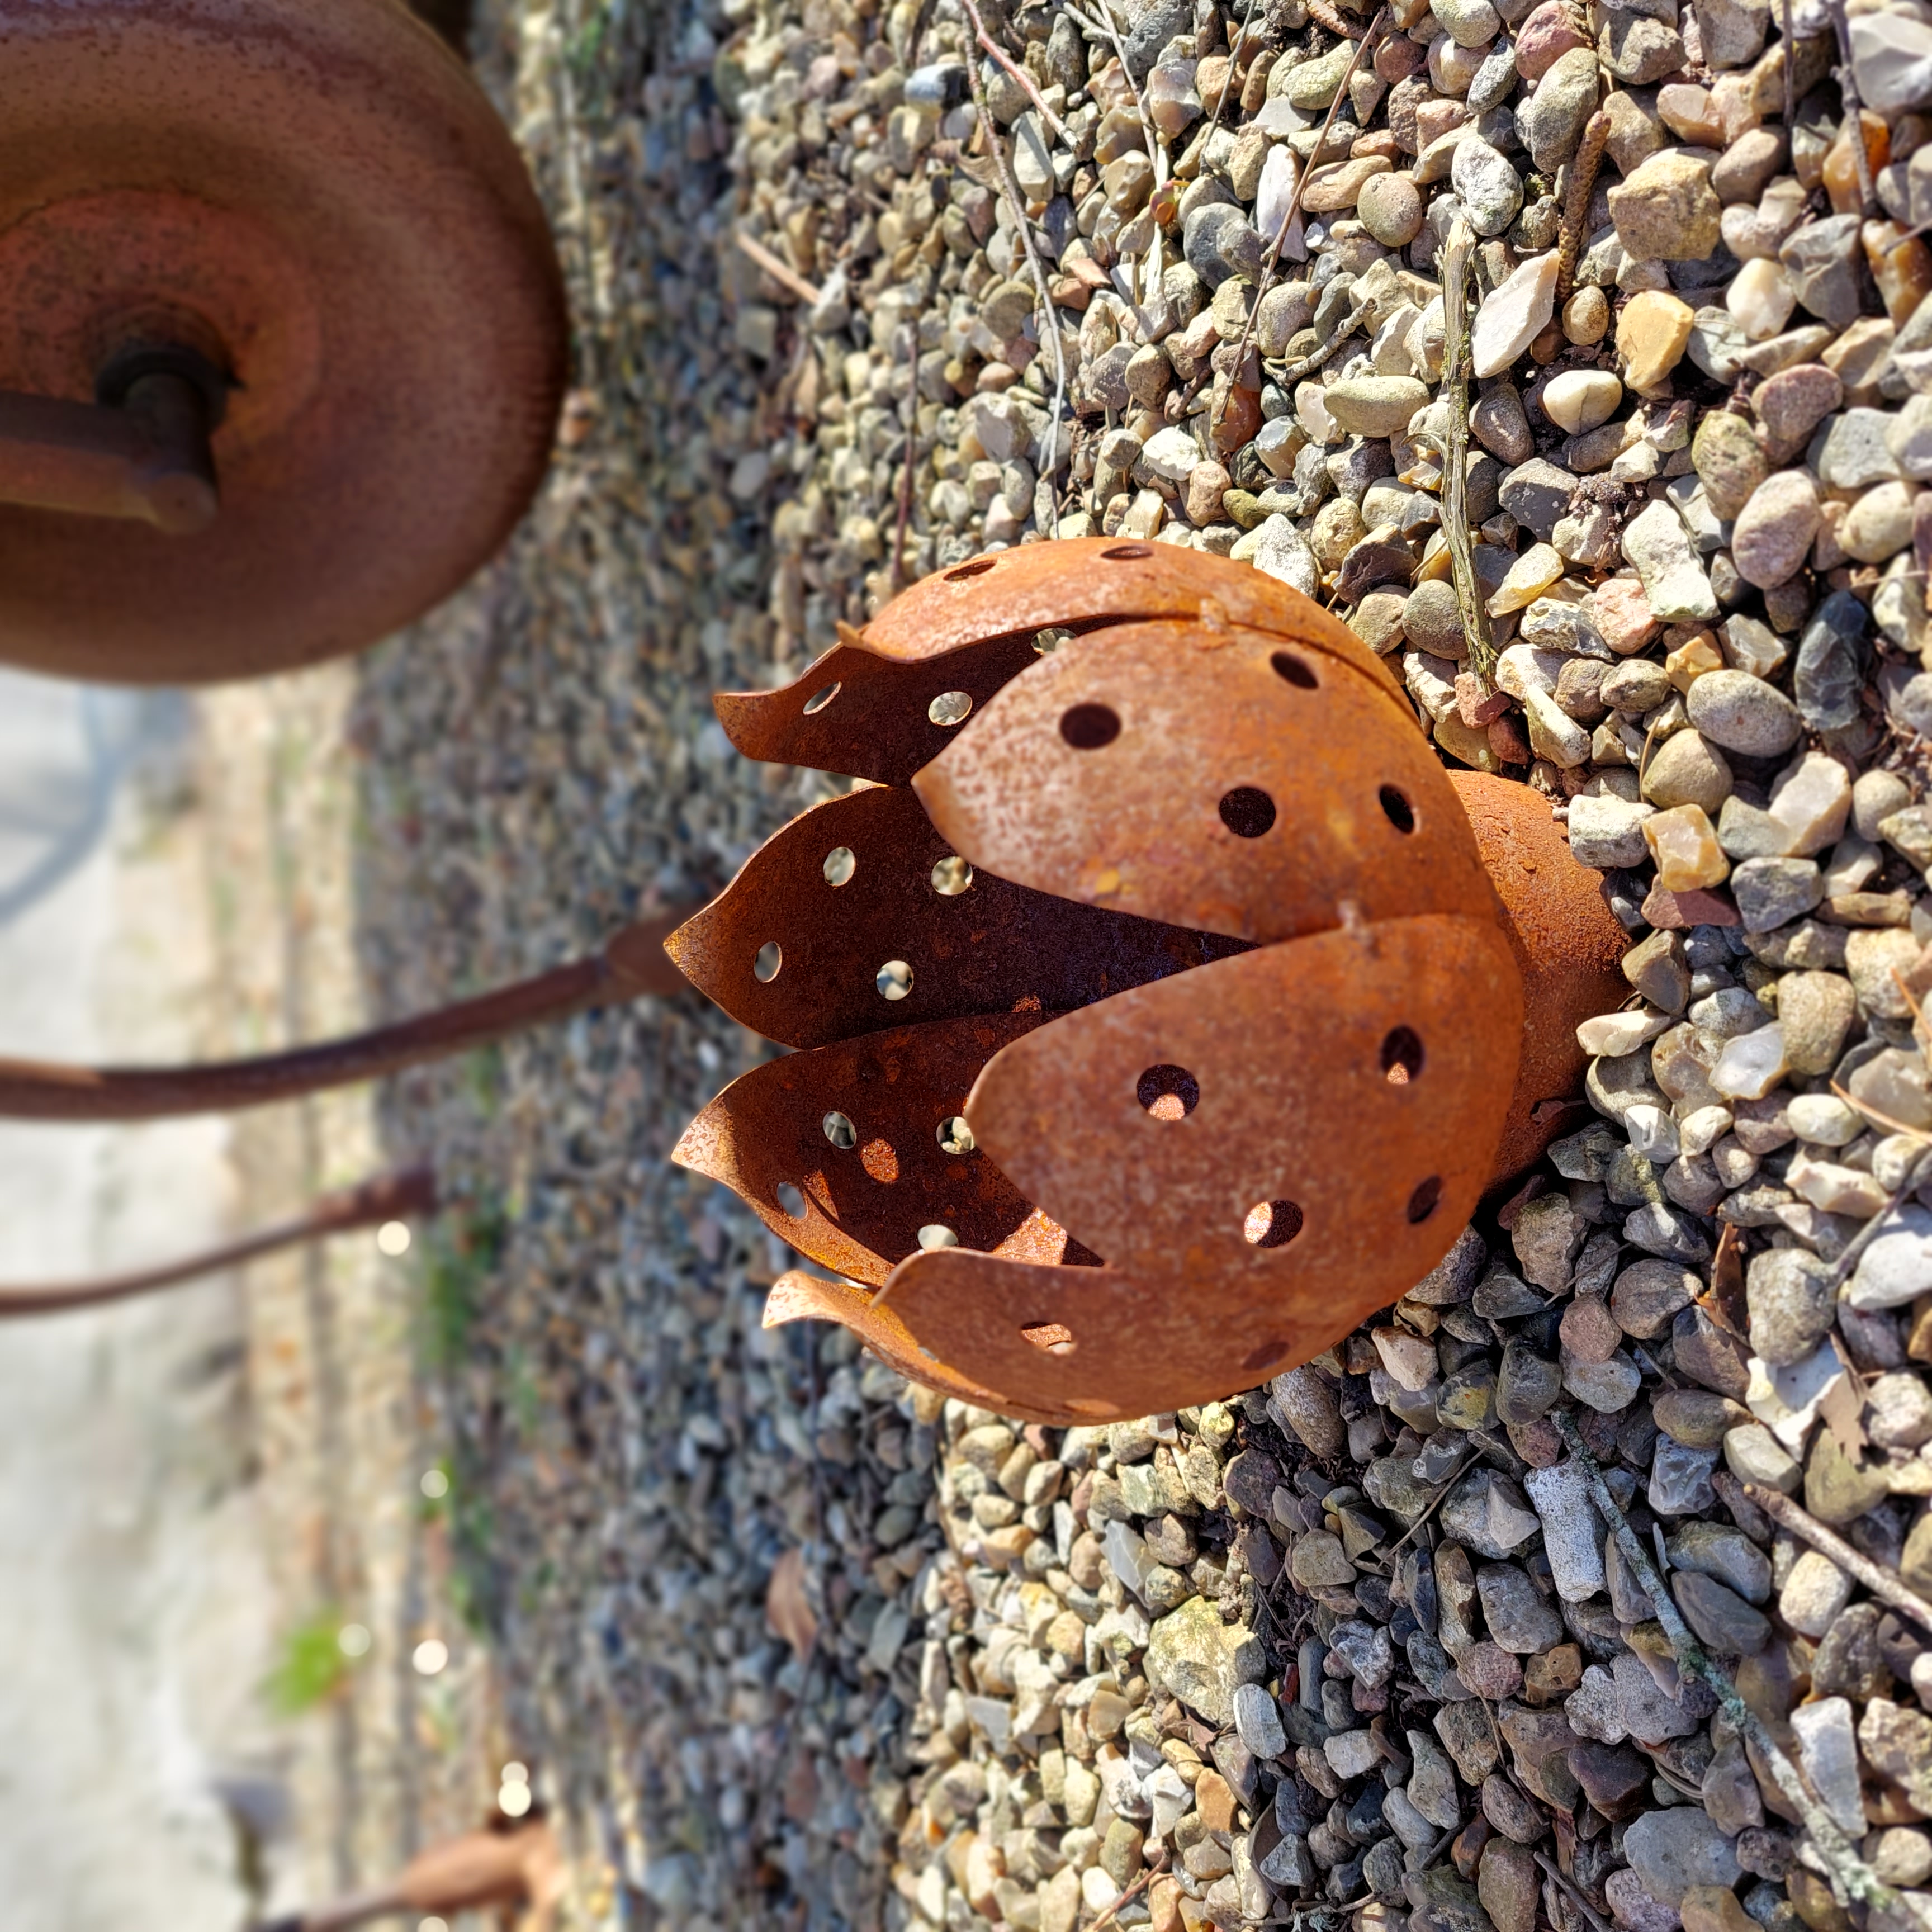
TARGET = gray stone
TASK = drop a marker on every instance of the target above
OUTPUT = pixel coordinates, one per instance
(1432, 1783)
(1854, 453)
(1486, 1512)
(1815, 1011)
(1659, 1228)
(1720, 1616)
(1680, 1478)
(1548, 1233)
(1876, 796)
(1572, 1536)
(1550, 122)
(1648, 1295)
(1789, 1293)
(1743, 713)
(1519, 1620)
(1827, 677)
(1536, 493)
(1665, 557)
(1258, 1720)
(1672, 1851)
(1772, 893)
(1822, 260)
(1896, 1267)
(1649, 1715)
(1828, 1752)
(1440, 1901)
(1717, 1549)
(1491, 190)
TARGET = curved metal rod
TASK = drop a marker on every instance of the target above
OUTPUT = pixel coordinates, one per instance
(389, 1197)
(632, 965)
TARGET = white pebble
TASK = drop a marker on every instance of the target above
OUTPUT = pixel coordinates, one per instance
(1823, 1118)
(1653, 1133)
(1613, 1035)
(1514, 314)
(1702, 1129)
(1582, 399)
(1761, 299)
(1751, 1065)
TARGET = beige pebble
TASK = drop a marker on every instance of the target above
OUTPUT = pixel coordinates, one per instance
(1586, 315)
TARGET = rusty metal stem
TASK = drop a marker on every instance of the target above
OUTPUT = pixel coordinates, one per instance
(632, 965)
(389, 1197)
(147, 461)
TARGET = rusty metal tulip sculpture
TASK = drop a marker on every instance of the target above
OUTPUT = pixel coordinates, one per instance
(1162, 1006)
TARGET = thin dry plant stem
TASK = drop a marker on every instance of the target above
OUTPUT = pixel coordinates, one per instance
(1455, 396)
(780, 270)
(1790, 105)
(1048, 315)
(1848, 1872)
(1017, 74)
(1880, 1581)
(1149, 1873)
(905, 474)
(1294, 208)
(1228, 79)
(1848, 90)
(1449, 1482)
(1598, 1922)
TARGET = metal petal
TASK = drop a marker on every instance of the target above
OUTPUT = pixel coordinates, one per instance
(1211, 780)
(993, 948)
(1063, 1345)
(1360, 1078)
(973, 628)
(861, 1205)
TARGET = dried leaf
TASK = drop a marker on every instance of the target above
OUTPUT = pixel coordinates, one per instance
(787, 1607)
(1724, 1302)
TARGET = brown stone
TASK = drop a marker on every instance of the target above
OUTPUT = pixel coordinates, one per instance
(1214, 1799)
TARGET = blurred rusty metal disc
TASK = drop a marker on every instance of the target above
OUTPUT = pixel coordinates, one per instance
(319, 201)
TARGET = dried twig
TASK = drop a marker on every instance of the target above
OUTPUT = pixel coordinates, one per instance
(1017, 73)
(1455, 399)
(1049, 315)
(1598, 1922)
(1294, 208)
(1307, 365)
(1848, 1872)
(780, 270)
(1848, 89)
(905, 473)
(1228, 79)
(1449, 1482)
(1148, 1874)
(1876, 1577)
(1790, 106)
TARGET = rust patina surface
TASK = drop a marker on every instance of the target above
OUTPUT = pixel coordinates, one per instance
(316, 204)
(1168, 1008)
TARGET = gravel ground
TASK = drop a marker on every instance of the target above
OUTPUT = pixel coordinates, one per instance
(796, 1645)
